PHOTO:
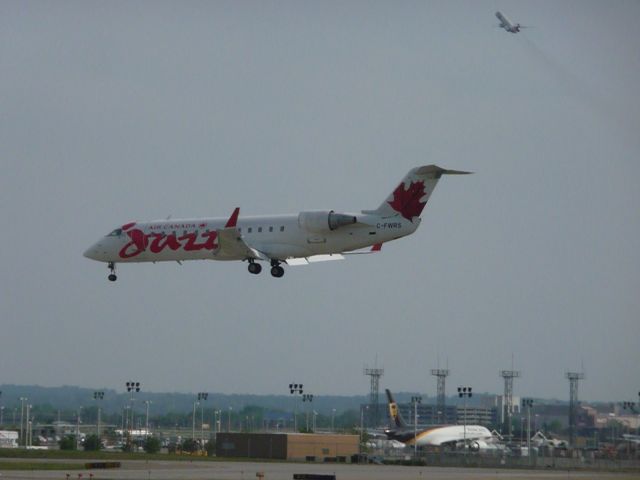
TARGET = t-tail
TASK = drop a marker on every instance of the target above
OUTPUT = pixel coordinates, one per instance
(394, 414)
(412, 194)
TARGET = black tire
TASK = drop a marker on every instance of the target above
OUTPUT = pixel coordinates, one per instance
(255, 268)
(277, 271)
(112, 277)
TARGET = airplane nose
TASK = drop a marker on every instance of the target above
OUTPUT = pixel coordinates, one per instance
(93, 252)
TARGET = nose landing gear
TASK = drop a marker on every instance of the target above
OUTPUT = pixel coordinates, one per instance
(112, 268)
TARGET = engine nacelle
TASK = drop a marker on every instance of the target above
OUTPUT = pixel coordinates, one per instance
(324, 221)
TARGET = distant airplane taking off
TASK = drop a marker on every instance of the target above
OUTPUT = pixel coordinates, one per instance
(300, 239)
(508, 25)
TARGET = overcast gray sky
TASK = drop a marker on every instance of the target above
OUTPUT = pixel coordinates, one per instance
(118, 111)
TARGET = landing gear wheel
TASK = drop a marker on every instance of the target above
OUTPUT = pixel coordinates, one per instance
(277, 271)
(112, 268)
(255, 268)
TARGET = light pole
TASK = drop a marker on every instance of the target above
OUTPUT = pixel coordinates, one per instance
(362, 409)
(1, 415)
(632, 406)
(27, 426)
(78, 428)
(98, 395)
(415, 400)
(132, 387)
(528, 403)
(193, 420)
(217, 418)
(297, 390)
(202, 397)
(229, 419)
(465, 392)
(333, 416)
(307, 397)
(22, 402)
(146, 426)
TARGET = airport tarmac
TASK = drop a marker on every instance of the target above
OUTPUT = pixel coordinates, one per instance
(172, 470)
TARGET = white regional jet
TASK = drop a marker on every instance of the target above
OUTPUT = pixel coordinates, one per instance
(297, 239)
(508, 25)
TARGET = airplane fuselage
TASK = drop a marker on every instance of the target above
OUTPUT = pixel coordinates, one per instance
(278, 237)
(306, 237)
(440, 434)
(507, 24)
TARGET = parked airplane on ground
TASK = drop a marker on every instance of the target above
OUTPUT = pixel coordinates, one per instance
(475, 437)
(292, 239)
(508, 25)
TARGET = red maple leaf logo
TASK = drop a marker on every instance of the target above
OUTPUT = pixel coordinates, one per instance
(407, 201)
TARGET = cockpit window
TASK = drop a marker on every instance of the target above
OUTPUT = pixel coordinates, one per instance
(116, 233)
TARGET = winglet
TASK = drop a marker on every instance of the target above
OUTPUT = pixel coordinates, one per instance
(233, 219)
(377, 247)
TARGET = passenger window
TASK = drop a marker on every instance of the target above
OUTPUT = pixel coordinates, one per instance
(259, 229)
(271, 229)
(249, 230)
(239, 229)
(282, 228)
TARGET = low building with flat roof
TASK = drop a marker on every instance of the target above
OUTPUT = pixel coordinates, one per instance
(8, 439)
(287, 446)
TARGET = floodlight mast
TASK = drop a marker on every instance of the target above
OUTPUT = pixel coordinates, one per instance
(508, 376)
(375, 374)
(441, 374)
(574, 378)
(465, 392)
(296, 389)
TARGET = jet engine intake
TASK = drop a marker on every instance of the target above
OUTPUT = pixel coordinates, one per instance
(324, 221)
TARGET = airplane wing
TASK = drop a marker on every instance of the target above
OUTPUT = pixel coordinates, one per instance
(232, 246)
(333, 256)
(294, 262)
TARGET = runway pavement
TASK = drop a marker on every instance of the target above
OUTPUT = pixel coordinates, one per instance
(172, 470)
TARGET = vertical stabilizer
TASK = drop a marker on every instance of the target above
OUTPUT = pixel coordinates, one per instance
(412, 194)
(394, 414)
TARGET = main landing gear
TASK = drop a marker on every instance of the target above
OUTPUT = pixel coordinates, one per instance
(276, 270)
(254, 268)
(112, 268)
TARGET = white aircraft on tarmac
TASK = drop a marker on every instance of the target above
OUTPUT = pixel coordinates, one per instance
(474, 437)
(297, 239)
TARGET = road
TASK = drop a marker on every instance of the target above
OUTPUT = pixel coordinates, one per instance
(172, 470)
